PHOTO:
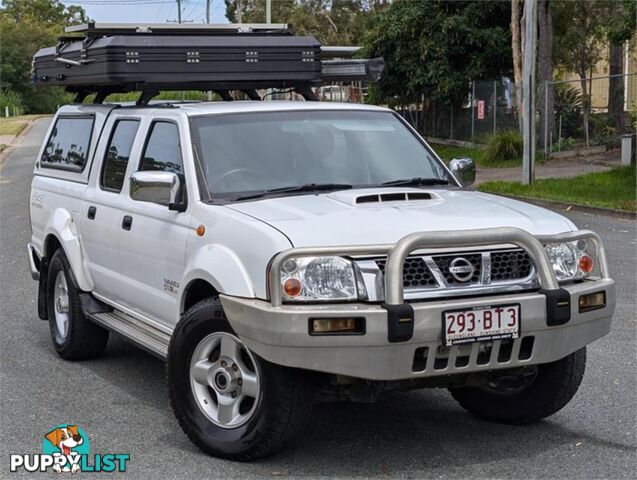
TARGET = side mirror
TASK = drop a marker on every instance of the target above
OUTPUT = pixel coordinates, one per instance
(464, 170)
(164, 188)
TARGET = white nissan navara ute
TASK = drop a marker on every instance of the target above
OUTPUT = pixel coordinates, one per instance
(281, 253)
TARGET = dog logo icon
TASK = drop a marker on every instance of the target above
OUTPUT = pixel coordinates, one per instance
(67, 441)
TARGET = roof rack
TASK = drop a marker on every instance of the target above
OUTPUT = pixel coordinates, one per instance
(106, 58)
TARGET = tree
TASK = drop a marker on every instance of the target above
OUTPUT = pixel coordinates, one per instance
(579, 41)
(620, 28)
(517, 28)
(332, 22)
(437, 47)
(25, 27)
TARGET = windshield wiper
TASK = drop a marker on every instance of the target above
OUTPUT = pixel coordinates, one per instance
(416, 181)
(308, 187)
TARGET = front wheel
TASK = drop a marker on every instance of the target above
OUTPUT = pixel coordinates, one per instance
(526, 397)
(230, 402)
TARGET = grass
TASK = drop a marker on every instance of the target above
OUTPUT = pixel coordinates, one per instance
(449, 152)
(612, 189)
(14, 125)
(2, 147)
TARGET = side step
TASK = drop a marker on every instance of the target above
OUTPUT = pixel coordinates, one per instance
(145, 335)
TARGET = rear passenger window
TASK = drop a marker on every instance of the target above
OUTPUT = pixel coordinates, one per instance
(69, 143)
(117, 154)
(163, 151)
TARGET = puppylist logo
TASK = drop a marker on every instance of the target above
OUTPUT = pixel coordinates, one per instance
(66, 448)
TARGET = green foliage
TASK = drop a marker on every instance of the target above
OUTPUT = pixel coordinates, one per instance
(580, 29)
(332, 22)
(437, 47)
(504, 146)
(25, 27)
(564, 143)
(12, 100)
(568, 105)
(612, 189)
(604, 131)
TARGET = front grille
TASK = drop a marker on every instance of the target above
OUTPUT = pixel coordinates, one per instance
(510, 265)
(504, 266)
(444, 263)
(416, 274)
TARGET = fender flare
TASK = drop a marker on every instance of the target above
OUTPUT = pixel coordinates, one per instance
(62, 226)
(220, 267)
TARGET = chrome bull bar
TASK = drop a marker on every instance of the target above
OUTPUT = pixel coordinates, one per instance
(398, 252)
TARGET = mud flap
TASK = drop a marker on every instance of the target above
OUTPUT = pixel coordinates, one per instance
(42, 287)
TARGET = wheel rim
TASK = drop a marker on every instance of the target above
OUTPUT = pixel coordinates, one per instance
(508, 384)
(61, 305)
(224, 379)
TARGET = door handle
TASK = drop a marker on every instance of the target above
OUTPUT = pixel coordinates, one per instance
(91, 212)
(127, 222)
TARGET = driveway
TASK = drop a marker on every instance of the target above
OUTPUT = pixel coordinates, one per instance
(120, 399)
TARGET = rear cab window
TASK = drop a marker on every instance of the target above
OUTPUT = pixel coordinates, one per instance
(69, 147)
(69, 143)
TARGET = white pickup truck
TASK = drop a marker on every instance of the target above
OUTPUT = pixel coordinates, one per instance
(281, 253)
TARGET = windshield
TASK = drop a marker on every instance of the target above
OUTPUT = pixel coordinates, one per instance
(248, 153)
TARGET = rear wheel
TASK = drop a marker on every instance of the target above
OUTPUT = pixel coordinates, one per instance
(230, 402)
(74, 336)
(525, 397)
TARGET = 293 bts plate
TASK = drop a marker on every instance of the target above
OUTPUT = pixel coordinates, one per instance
(481, 324)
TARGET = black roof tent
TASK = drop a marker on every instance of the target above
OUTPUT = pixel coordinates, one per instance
(105, 58)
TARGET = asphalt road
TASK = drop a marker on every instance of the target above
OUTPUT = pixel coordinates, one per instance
(121, 401)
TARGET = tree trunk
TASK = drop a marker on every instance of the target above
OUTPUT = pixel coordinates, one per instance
(516, 47)
(616, 87)
(586, 103)
(545, 73)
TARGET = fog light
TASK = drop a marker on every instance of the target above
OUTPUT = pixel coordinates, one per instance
(323, 326)
(592, 301)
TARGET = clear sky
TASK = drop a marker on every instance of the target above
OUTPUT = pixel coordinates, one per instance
(150, 11)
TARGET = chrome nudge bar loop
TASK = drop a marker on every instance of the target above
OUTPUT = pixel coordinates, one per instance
(398, 252)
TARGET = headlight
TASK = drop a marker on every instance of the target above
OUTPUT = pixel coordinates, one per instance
(319, 278)
(570, 260)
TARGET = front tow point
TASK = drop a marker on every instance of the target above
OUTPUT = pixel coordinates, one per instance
(400, 322)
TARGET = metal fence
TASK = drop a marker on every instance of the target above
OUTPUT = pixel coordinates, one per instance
(594, 112)
(491, 107)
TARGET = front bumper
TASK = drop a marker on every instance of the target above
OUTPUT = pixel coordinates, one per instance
(280, 334)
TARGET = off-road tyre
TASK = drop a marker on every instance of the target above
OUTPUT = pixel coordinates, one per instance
(554, 386)
(84, 339)
(283, 407)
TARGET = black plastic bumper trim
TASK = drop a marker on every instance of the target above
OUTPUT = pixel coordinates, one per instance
(558, 306)
(400, 322)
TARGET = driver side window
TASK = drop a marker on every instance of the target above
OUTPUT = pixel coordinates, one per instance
(163, 150)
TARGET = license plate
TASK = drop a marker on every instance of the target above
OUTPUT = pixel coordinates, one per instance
(481, 324)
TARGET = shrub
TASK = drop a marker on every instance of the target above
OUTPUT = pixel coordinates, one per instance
(11, 99)
(504, 146)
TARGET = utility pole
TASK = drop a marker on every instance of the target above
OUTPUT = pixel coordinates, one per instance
(178, 11)
(528, 91)
(268, 11)
(207, 11)
(239, 10)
